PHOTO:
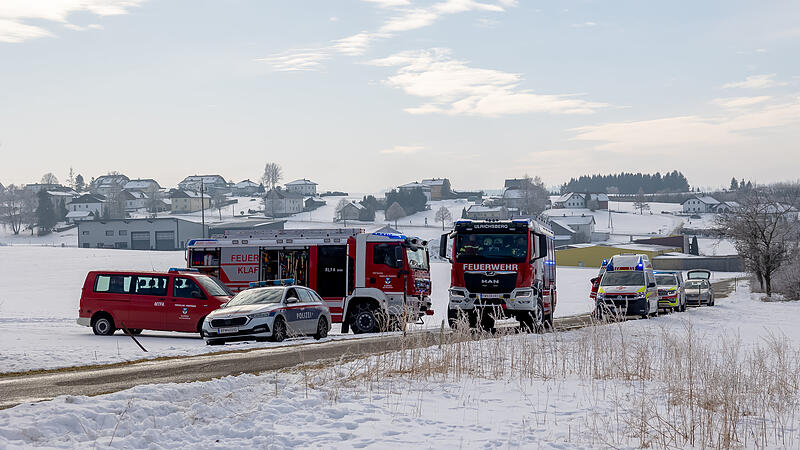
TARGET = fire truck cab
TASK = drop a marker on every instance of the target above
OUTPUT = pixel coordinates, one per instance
(370, 281)
(503, 268)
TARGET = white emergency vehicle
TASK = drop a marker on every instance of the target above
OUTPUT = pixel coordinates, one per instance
(628, 287)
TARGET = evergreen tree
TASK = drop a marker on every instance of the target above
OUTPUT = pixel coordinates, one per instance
(45, 213)
(694, 248)
(79, 183)
(734, 184)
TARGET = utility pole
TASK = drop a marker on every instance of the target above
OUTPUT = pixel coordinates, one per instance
(202, 208)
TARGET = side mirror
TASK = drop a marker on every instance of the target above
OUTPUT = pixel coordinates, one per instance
(398, 255)
(651, 284)
(291, 300)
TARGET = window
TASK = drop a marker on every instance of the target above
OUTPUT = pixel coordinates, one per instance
(292, 293)
(306, 296)
(384, 254)
(149, 285)
(84, 233)
(109, 232)
(120, 245)
(186, 288)
(113, 284)
(123, 232)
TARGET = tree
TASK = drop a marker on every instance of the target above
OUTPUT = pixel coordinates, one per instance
(219, 199)
(395, 212)
(694, 248)
(443, 215)
(273, 174)
(49, 178)
(153, 202)
(534, 195)
(45, 213)
(79, 183)
(13, 207)
(340, 209)
(764, 230)
(734, 184)
(71, 178)
(640, 203)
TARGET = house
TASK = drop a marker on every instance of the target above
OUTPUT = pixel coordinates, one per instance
(303, 187)
(440, 188)
(410, 187)
(350, 211)
(79, 216)
(209, 183)
(163, 233)
(280, 203)
(726, 207)
(142, 185)
(93, 203)
(599, 201)
(479, 212)
(514, 198)
(108, 184)
(312, 203)
(60, 198)
(246, 188)
(700, 204)
(572, 200)
(572, 229)
(188, 201)
(134, 200)
(34, 188)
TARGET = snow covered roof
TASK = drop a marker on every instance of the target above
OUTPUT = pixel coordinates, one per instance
(484, 209)
(135, 195)
(188, 194)
(356, 205)
(414, 185)
(707, 199)
(513, 193)
(573, 220)
(105, 180)
(207, 179)
(88, 198)
(245, 184)
(142, 183)
(78, 214)
(301, 182)
(434, 181)
(564, 197)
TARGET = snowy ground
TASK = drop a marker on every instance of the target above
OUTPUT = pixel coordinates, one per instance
(496, 406)
(40, 293)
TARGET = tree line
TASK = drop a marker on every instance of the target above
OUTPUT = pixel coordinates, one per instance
(628, 183)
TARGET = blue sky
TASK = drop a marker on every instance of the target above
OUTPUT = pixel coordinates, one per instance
(362, 95)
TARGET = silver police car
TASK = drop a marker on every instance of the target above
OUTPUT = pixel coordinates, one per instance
(268, 313)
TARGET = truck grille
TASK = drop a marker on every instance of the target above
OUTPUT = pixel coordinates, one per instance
(234, 322)
(489, 282)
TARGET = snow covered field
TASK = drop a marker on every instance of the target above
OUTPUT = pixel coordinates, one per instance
(40, 291)
(516, 391)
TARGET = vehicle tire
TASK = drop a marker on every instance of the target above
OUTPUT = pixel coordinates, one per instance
(533, 321)
(711, 301)
(472, 316)
(364, 320)
(279, 330)
(214, 342)
(487, 321)
(456, 317)
(322, 329)
(103, 325)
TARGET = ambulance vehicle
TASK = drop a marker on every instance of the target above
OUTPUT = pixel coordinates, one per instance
(628, 287)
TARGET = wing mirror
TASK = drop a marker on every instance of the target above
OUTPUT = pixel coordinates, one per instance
(291, 300)
(651, 285)
(398, 255)
(443, 247)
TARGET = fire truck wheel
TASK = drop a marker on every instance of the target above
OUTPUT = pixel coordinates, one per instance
(103, 325)
(364, 319)
(532, 321)
(487, 321)
(279, 330)
(322, 329)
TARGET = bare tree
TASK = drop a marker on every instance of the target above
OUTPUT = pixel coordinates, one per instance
(395, 212)
(49, 178)
(443, 215)
(12, 205)
(640, 203)
(339, 209)
(534, 195)
(273, 174)
(764, 230)
(153, 202)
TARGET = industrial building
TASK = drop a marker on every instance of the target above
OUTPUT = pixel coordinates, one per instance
(163, 233)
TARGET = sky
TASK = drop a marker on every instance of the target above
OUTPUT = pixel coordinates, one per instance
(363, 95)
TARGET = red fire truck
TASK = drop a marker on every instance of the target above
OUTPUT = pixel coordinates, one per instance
(501, 269)
(371, 281)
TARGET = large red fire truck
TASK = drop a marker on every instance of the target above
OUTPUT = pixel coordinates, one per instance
(371, 281)
(501, 269)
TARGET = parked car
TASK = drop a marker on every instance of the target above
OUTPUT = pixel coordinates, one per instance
(670, 290)
(177, 300)
(269, 313)
(698, 288)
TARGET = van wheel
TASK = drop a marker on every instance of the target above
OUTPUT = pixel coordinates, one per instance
(322, 329)
(103, 326)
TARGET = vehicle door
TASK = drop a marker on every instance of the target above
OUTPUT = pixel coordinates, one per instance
(148, 300)
(112, 294)
(384, 273)
(651, 290)
(184, 308)
(293, 312)
(310, 311)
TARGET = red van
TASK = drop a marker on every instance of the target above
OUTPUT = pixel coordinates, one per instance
(177, 300)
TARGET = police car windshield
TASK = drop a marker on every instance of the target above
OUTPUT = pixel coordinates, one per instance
(257, 297)
(477, 248)
(666, 280)
(417, 259)
(628, 278)
(214, 287)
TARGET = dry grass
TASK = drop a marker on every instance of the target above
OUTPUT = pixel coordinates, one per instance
(688, 390)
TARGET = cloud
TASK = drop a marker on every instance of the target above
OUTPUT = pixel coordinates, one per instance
(412, 19)
(15, 13)
(454, 88)
(402, 149)
(730, 127)
(356, 44)
(584, 25)
(755, 82)
(740, 102)
(297, 60)
(389, 3)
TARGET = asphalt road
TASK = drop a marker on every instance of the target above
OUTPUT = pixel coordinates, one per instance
(46, 385)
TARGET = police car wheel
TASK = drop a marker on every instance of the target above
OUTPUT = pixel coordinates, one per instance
(103, 326)
(322, 329)
(279, 330)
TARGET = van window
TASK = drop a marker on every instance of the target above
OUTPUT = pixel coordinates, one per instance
(113, 284)
(150, 286)
(184, 288)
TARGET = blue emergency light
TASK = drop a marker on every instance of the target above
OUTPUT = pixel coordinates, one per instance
(279, 282)
(389, 235)
(181, 269)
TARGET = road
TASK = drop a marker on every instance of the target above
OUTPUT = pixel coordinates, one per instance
(46, 385)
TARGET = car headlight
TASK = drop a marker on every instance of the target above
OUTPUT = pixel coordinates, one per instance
(457, 293)
(260, 315)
